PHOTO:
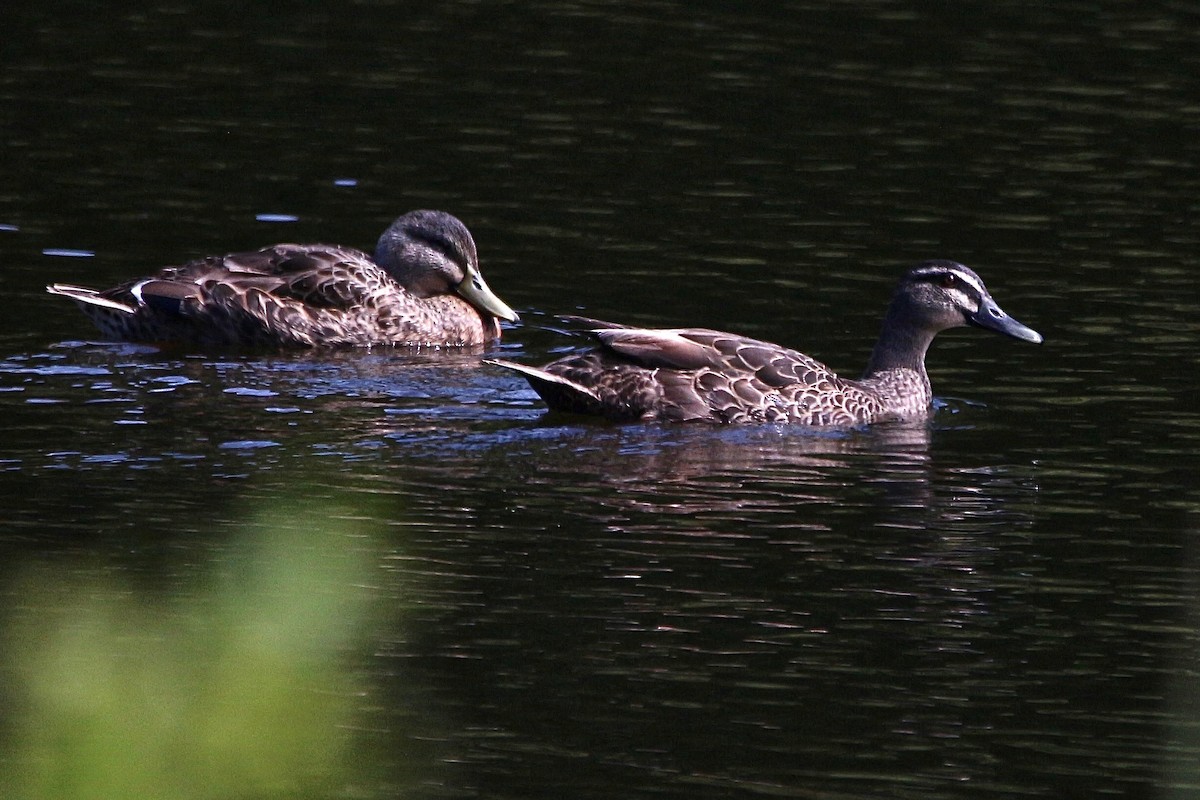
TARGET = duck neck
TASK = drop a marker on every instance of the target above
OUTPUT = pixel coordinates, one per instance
(902, 345)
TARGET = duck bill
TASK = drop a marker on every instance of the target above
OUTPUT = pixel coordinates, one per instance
(992, 317)
(476, 292)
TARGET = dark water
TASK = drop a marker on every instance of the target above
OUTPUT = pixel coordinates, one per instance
(1001, 603)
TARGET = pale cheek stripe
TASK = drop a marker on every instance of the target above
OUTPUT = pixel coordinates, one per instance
(968, 279)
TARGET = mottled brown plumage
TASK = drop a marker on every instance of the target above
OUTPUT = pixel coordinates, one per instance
(700, 374)
(423, 287)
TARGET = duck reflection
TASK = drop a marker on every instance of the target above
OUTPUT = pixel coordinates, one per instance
(808, 588)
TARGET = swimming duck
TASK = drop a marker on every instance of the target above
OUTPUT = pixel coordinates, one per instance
(423, 287)
(688, 374)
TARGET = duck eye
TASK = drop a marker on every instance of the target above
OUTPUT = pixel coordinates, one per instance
(948, 281)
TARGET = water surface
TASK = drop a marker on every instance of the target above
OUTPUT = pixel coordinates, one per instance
(999, 603)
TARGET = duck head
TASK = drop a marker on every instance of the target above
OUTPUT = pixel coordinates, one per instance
(432, 252)
(946, 294)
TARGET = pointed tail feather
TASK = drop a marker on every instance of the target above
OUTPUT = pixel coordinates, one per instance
(89, 297)
(558, 392)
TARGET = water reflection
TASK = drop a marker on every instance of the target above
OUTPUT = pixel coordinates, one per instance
(750, 607)
(175, 406)
(779, 587)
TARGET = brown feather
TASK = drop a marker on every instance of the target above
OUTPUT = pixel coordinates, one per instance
(307, 295)
(706, 375)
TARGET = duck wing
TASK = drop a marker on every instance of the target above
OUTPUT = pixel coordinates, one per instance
(317, 275)
(725, 354)
(285, 293)
(303, 276)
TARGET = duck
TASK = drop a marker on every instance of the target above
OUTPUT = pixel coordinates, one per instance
(703, 375)
(423, 287)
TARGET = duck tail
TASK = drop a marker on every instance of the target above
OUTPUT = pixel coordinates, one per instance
(558, 392)
(89, 297)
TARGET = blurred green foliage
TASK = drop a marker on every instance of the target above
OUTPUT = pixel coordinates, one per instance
(241, 685)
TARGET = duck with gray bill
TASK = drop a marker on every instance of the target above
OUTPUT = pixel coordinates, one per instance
(696, 374)
(423, 287)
